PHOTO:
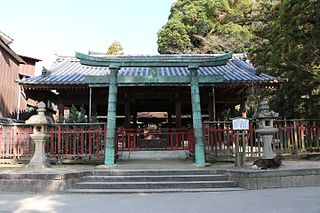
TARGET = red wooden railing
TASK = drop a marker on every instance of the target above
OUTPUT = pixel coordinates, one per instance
(77, 141)
(87, 141)
(292, 137)
(15, 141)
(163, 138)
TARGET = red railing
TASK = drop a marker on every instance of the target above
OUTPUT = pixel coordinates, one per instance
(292, 137)
(155, 139)
(87, 141)
(220, 140)
(15, 141)
(76, 141)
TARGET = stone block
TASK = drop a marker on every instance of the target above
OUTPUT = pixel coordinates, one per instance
(275, 182)
(247, 183)
(317, 180)
(297, 181)
(286, 181)
(263, 183)
(310, 180)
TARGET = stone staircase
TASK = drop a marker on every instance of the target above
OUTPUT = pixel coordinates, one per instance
(153, 181)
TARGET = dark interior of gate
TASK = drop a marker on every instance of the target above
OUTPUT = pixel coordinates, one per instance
(165, 106)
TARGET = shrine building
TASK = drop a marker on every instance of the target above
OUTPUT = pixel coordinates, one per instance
(172, 91)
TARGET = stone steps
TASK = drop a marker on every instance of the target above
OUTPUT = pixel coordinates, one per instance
(153, 178)
(153, 181)
(155, 172)
(147, 191)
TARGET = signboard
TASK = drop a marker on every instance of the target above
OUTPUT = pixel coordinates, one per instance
(240, 124)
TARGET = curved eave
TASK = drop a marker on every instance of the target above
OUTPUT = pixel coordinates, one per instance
(154, 60)
(43, 86)
(31, 86)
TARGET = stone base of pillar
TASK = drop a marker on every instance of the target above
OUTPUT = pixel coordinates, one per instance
(105, 166)
(202, 165)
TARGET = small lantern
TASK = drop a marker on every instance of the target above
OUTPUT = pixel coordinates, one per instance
(266, 117)
(40, 124)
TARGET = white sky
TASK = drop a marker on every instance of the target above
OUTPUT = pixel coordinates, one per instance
(46, 28)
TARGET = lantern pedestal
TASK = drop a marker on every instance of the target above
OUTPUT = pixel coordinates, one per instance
(39, 159)
(267, 148)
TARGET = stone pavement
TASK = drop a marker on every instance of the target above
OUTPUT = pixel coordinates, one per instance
(155, 164)
(288, 200)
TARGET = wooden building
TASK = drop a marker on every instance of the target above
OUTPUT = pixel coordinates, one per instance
(13, 67)
(189, 88)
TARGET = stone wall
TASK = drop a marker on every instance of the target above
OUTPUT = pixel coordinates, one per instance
(262, 179)
(39, 182)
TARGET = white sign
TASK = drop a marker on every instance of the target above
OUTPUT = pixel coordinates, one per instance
(240, 124)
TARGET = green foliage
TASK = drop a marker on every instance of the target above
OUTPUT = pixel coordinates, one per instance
(167, 37)
(76, 116)
(286, 44)
(115, 48)
(281, 36)
(206, 26)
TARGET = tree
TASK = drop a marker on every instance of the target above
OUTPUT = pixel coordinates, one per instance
(76, 116)
(206, 26)
(115, 48)
(281, 36)
(286, 39)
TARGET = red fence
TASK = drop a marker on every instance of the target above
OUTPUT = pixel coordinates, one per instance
(150, 139)
(79, 141)
(15, 141)
(76, 141)
(87, 141)
(292, 137)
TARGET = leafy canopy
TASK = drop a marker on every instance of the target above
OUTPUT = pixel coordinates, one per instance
(206, 26)
(281, 36)
(115, 48)
(286, 44)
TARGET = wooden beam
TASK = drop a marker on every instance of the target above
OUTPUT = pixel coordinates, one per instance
(178, 114)
(127, 112)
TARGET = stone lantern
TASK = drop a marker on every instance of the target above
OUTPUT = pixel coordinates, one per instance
(40, 135)
(266, 130)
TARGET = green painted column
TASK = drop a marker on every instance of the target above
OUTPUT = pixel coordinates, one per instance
(196, 116)
(111, 122)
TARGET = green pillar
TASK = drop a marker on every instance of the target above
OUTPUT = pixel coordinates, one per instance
(196, 116)
(111, 122)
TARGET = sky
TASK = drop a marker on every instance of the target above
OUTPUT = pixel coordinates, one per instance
(44, 29)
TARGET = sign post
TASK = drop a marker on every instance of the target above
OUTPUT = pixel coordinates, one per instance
(240, 124)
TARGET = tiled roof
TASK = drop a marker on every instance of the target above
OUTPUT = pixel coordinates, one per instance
(69, 70)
